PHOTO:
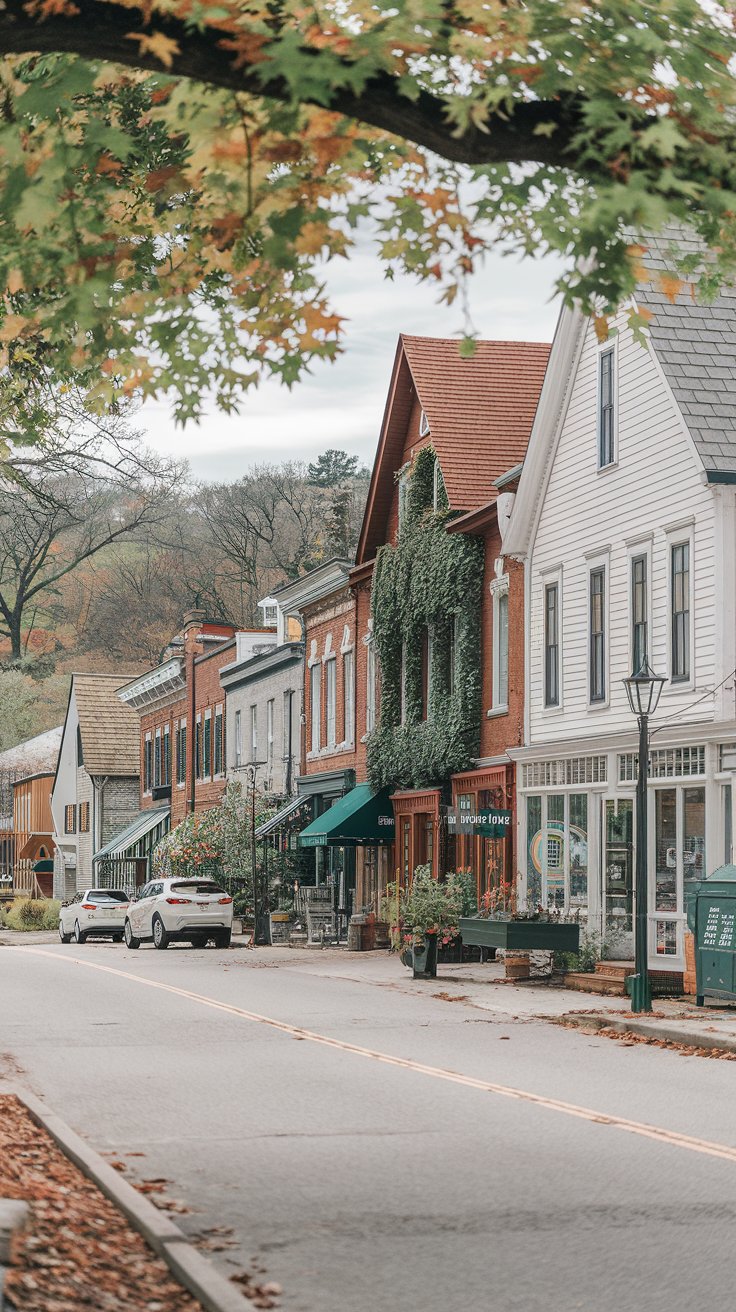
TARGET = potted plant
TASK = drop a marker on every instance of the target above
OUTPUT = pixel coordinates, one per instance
(422, 917)
(501, 923)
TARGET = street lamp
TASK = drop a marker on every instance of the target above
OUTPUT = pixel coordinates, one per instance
(261, 924)
(643, 689)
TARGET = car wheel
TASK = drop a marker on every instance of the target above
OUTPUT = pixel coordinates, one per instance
(161, 939)
(117, 938)
(65, 938)
(222, 938)
(130, 940)
(79, 934)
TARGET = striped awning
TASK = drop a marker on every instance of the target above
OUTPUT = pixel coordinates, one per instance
(144, 825)
(277, 821)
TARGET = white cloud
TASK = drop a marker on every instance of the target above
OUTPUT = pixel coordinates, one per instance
(341, 405)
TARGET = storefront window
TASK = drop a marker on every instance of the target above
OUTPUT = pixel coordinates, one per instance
(533, 847)
(429, 841)
(693, 853)
(666, 938)
(578, 840)
(555, 849)
(665, 874)
(619, 871)
(465, 802)
(405, 850)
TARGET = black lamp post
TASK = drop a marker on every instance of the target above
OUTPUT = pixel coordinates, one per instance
(643, 689)
(261, 922)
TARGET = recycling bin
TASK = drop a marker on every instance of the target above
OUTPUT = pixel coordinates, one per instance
(711, 915)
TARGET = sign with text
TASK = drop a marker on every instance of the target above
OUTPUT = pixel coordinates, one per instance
(719, 926)
(485, 821)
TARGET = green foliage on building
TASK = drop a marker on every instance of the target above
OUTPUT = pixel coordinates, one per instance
(429, 583)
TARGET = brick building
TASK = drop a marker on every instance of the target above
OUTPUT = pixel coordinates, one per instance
(476, 416)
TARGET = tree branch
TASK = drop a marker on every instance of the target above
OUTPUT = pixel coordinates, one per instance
(101, 31)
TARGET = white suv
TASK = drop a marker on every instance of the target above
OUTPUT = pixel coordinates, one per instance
(183, 909)
(94, 911)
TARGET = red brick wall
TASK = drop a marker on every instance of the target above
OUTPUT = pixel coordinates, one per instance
(412, 444)
(362, 592)
(329, 617)
(208, 694)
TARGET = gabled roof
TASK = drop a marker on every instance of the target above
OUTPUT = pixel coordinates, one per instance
(35, 754)
(480, 412)
(110, 731)
(696, 347)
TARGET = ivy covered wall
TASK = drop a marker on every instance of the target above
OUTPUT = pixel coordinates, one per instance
(430, 581)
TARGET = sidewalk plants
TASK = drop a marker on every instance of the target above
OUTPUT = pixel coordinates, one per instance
(422, 917)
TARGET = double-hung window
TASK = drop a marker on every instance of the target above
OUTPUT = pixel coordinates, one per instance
(680, 611)
(552, 644)
(70, 819)
(315, 709)
(166, 757)
(639, 613)
(198, 746)
(157, 760)
(181, 752)
(219, 741)
(597, 635)
(370, 687)
(500, 646)
(147, 763)
(238, 738)
(207, 745)
(606, 408)
(254, 733)
(348, 678)
(331, 694)
(269, 730)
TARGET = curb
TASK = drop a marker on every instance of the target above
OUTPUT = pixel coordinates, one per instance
(195, 1272)
(671, 1033)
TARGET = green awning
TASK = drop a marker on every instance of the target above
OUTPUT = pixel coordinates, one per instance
(361, 818)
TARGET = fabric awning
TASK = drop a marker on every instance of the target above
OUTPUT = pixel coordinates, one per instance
(361, 818)
(43, 867)
(156, 817)
(277, 821)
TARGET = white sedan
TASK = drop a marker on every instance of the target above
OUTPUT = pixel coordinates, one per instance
(180, 910)
(95, 911)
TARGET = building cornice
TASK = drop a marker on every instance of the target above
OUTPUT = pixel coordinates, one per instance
(261, 666)
(155, 685)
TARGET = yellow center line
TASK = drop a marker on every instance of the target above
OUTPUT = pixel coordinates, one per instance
(656, 1132)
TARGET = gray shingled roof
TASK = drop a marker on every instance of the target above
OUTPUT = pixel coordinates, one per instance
(696, 345)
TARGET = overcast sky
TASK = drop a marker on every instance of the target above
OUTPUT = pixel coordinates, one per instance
(341, 404)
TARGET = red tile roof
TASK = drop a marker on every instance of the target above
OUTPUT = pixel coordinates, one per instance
(480, 412)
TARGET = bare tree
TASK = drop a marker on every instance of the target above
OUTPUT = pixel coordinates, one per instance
(63, 503)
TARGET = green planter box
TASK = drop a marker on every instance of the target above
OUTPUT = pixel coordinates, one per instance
(520, 935)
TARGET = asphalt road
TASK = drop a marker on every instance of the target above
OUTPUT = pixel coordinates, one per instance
(491, 1161)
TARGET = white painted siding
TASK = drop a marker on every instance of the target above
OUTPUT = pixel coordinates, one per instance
(656, 483)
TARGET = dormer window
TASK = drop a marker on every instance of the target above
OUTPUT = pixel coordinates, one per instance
(269, 612)
(423, 425)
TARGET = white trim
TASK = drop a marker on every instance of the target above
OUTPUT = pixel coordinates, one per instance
(610, 346)
(328, 653)
(600, 560)
(346, 645)
(553, 578)
(499, 588)
(676, 537)
(637, 548)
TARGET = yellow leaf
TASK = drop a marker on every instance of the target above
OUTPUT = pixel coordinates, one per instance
(670, 285)
(157, 44)
(600, 323)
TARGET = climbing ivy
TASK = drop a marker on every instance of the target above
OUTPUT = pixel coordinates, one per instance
(430, 581)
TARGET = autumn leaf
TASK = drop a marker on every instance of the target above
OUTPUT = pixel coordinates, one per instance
(162, 47)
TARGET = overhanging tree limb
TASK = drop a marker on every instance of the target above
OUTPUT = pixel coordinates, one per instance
(101, 30)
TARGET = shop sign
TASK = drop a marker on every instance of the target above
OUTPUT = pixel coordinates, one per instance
(485, 821)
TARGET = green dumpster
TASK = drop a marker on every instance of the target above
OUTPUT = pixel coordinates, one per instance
(711, 915)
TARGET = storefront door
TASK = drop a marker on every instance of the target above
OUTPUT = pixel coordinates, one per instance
(617, 832)
(677, 855)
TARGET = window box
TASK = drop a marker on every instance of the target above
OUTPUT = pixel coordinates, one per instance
(520, 935)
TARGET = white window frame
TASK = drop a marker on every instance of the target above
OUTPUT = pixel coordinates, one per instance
(238, 738)
(499, 590)
(636, 548)
(269, 730)
(548, 578)
(605, 348)
(423, 425)
(315, 705)
(331, 702)
(599, 561)
(157, 757)
(676, 536)
(348, 677)
(254, 732)
(437, 482)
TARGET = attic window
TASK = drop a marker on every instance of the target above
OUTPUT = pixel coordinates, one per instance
(423, 425)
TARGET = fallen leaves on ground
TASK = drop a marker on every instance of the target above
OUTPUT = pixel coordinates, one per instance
(79, 1252)
(261, 1295)
(451, 997)
(628, 1039)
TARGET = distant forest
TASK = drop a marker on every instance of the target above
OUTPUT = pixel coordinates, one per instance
(104, 546)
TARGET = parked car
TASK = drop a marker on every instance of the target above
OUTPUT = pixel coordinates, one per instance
(95, 911)
(180, 910)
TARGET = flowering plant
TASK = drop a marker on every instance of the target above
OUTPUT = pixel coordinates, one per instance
(428, 906)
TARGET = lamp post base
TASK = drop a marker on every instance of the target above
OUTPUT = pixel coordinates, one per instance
(639, 990)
